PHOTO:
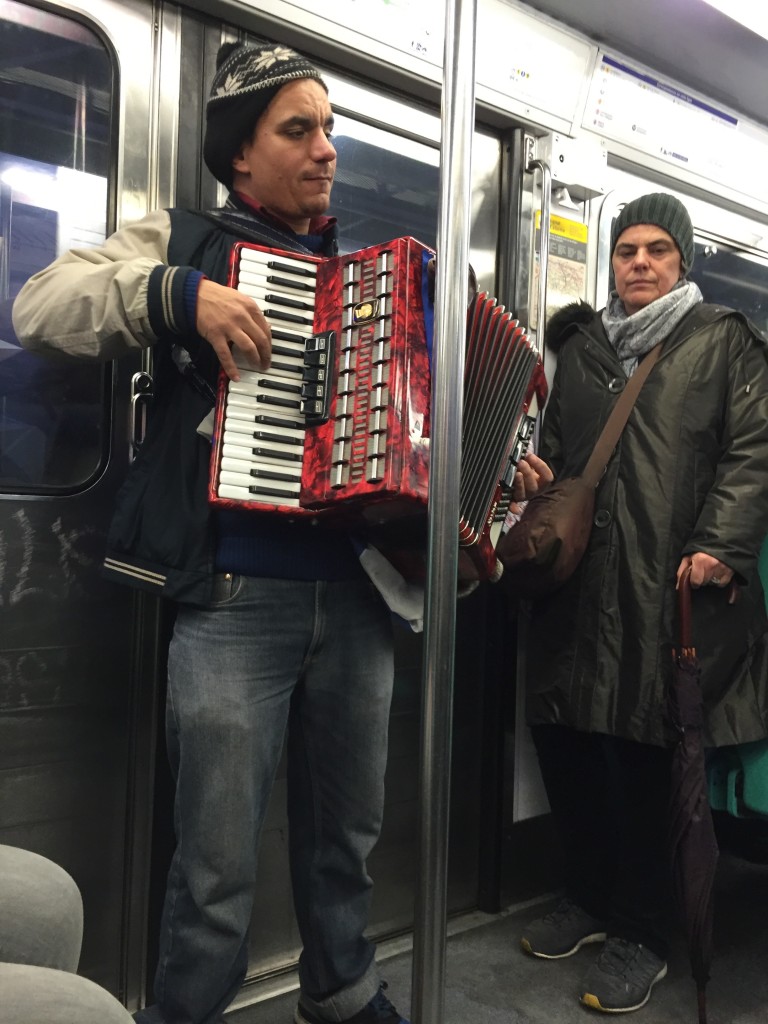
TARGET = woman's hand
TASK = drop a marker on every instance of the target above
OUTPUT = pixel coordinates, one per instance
(531, 475)
(706, 570)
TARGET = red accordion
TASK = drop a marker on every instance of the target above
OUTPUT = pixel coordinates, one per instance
(339, 424)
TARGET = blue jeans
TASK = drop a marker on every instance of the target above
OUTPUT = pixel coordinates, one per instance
(315, 658)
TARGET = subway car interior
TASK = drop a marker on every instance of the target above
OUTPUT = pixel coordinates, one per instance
(102, 111)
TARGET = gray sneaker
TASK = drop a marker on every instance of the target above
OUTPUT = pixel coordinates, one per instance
(562, 931)
(622, 977)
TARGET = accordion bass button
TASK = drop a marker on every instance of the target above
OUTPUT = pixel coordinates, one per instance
(380, 397)
(377, 421)
(343, 430)
(346, 383)
(339, 475)
(377, 446)
(380, 376)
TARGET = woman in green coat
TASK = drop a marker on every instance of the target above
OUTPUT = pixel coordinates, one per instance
(686, 488)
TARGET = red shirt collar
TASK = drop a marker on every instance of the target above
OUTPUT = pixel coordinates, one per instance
(317, 226)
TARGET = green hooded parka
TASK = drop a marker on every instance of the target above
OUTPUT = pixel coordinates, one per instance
(690, 473)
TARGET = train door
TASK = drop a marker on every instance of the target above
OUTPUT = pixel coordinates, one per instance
(93, 134)
(550, 181)
(74, 125)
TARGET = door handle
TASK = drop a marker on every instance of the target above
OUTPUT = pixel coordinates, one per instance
(141, 395)
(532, 164)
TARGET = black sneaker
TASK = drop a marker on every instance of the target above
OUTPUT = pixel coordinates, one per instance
(378, 1011)
(562, 931)
(622, 977)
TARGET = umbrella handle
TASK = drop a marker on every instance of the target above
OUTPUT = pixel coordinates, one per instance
(685, 619)
(685, 625)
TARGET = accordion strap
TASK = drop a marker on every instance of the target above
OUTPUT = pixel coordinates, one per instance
(617, 420)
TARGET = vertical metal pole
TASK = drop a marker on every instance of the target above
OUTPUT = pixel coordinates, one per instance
(531, 164)
(458, 108)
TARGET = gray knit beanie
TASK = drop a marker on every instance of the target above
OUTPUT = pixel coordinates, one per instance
(247, 78)
(665, 212)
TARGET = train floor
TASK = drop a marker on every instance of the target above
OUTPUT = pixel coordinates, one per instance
(489, 980)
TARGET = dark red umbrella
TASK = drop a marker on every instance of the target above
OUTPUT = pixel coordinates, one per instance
(691, 834)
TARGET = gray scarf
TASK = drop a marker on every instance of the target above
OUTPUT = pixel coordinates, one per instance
(633, 336)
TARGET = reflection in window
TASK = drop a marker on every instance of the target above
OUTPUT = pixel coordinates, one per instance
(733, 279)
(55, 102)
(385, 186)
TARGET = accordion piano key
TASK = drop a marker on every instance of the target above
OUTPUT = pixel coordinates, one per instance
(247, 446)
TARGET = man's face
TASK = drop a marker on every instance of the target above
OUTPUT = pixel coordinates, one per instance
(646, 265)
(288, 164)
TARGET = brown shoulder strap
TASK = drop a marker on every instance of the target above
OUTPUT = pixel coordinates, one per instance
(616, 422)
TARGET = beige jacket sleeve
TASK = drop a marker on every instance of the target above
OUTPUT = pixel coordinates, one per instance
(92, 303)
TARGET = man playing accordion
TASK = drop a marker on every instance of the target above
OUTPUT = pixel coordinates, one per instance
(277, 628)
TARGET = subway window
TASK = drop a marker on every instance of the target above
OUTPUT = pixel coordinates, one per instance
(734, 279)
(56, 91)
(385, 186)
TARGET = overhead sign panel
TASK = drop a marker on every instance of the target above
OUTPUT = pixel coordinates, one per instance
(526, 64)
(627, 104)
(523, 57)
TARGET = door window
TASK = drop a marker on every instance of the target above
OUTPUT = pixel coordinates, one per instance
(56, 89)
(732, 278)
(385, 187)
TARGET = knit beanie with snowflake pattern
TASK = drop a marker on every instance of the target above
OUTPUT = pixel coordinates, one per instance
(247, 79)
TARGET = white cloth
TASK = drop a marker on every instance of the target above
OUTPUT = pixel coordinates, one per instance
(404, 599)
